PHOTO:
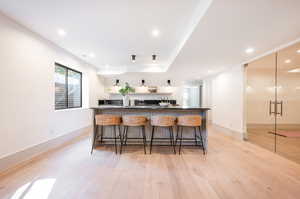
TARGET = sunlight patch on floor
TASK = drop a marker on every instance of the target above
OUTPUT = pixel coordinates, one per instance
(39, 189)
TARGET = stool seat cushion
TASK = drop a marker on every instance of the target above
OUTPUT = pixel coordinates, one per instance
(134, 120)
(163, 120)
(107, 120)
(189, 120)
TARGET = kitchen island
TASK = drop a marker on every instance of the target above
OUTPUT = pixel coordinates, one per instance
(148, 111)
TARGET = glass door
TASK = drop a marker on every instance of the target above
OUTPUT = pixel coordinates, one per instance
(288, 103)
(260, 97)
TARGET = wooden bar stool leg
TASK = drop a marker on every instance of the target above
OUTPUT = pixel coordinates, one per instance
(172, 138)
(202, 141)
(151, 141)
(180, 140)
(144, 139)
(95, 133)
(115, 136)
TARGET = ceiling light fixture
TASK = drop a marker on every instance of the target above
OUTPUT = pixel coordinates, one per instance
(61, 32)
(154, 58)
(249, 50)
(92, 55)
(287, 61)
(298, 51)
(133, 58)
(155, 33)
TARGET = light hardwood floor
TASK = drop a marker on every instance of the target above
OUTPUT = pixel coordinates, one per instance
(231, 169)
(286, 146)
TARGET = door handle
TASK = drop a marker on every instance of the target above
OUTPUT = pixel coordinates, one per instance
(270, 108)
(281, 108)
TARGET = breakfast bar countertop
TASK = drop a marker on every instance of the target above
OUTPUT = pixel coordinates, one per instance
(151, 107)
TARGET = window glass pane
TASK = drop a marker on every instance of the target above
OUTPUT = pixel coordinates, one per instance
(60, 87)
(74, 89)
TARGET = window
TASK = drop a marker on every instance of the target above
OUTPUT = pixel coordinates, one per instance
(68, 88)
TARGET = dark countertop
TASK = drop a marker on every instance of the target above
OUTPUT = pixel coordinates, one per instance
(151, 107)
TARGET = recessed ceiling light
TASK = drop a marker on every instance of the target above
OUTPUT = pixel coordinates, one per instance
(92, 55)
(210, 71)
(298, 51)
(287, 61)
(249, 50)
(155, 33)
(61, 32)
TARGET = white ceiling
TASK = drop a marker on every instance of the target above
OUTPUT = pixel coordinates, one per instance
(112, 30)
(231, 26)
(197, 37)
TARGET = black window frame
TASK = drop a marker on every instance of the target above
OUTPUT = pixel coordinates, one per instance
(67, 86)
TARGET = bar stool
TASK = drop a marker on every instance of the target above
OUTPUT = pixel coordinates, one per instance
(104, 120)
(194, 121)
(165, 122)
(133, 121)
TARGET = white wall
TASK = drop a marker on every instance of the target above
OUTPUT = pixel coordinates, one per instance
(27, 110)
(207, 96)
(228, 99)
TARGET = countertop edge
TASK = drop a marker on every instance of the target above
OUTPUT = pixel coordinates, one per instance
(152, 108)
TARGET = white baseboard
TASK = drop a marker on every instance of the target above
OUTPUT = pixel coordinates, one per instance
(26, 155)
(235, 134)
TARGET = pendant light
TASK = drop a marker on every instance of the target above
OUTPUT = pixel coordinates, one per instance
(133, 57)
(154, 57)
(117, 82)
(169, 82)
